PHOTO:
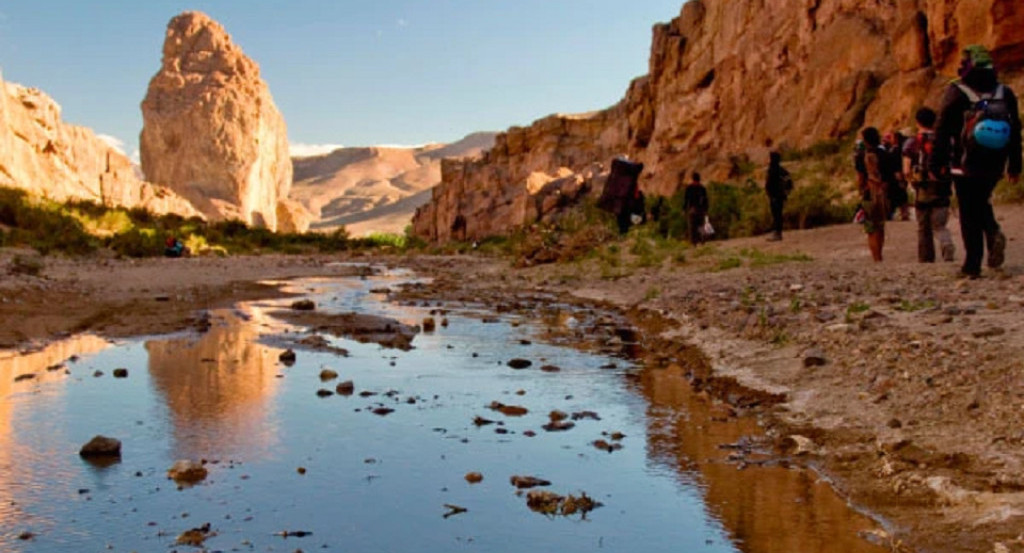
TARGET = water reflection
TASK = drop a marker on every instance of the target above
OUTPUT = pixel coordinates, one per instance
(46, 366)
(218, 387)
(765, 509)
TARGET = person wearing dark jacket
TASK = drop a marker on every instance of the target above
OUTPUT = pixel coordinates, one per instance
(695, 204)
(974, 166)
(777, 185)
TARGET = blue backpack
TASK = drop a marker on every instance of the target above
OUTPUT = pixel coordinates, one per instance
(987, 124)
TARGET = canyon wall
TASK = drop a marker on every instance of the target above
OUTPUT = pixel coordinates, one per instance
(738, 78)
(211, 131)
(45, 156)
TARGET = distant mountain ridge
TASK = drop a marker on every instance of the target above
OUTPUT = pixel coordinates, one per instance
(375, 188)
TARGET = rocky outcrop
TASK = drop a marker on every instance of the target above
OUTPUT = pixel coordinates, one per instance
(376, 188)
(211, 130)
(741, 78)
(47, 157)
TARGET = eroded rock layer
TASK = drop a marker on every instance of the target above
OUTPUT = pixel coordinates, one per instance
(739, 78)
(211, 130)
(47, 157)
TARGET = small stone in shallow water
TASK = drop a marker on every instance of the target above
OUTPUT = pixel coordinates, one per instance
(558, 426)
(120, 373)
(518, 363)
(474, 477)
(429, 325)
(328, 374)
(550, 368)
(287, 357)
(101, 446)
(382, 411)
(526, 482)
(323, 392)
(346, 388)
(188, 472)
(303, 305)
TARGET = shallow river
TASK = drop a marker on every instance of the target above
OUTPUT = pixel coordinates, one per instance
(283, 460)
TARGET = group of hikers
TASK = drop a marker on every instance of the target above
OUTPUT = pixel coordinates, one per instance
(968, 145)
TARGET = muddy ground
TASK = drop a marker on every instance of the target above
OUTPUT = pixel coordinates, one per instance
(901, 383)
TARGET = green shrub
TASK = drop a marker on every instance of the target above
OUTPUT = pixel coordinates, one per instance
(816, 204)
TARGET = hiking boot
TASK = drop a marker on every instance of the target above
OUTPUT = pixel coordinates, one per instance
(997, 250)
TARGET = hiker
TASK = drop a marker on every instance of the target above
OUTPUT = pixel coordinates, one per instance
(873, 191)
(621, 195)
(174, 248)
(695, 204)
(977, 140)
(777, 185)
(892, 174)
(931, 193)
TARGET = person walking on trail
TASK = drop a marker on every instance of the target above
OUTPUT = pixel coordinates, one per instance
(695, 204)
(778, 184)
(873, 192)
(977, 141)
(931, 193)
(892, 174)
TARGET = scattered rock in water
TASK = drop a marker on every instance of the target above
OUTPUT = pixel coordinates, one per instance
(101, 446)
(23, 377)
(301, 470)
(550, 503)
(317, 342)
(480, 421)
(518, 363)
(367, 393)
(328, 374)
(196, 536)
(814, 357)
(558, 426)
(529, 433)
(454, 510)
(508, 410)
(527, 482)
(97, 374)
(187, 472)
(429, 325)
(550, 368)
(556, 415)
(383, 411)
(605, 446)
(444, 323)
(585, 415)
(287, 357)
(324, 392)
(525, 342)
(609, 366)
(26, 536)
(346, 388)
(474, 477)
(293, 533)
(617, 436)
(361, 327)
(304, 305)
(56, 367)
(120, 373)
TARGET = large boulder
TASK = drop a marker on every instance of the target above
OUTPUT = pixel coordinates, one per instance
(45, 156)
(211, 130)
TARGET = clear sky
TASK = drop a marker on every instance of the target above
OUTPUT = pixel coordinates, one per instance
(347, 72)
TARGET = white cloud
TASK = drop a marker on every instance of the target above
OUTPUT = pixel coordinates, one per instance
(114, 142)
(306, 150)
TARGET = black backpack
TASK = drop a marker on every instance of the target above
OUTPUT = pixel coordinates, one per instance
(987, 124)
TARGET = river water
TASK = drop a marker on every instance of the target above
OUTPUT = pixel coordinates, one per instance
(282, 460)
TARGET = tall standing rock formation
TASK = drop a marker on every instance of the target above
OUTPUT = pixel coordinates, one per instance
(211, 130)
(739, 77)
(45, 156)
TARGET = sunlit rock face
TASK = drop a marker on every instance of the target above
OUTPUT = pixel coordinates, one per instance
(740, 78)
(45, 156)
(211, 130)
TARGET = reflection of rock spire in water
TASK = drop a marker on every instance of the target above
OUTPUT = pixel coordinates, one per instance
(12, 365)
(768, 510)
(217, 389)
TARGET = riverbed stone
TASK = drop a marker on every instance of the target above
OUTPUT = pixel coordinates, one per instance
(120, 373)
(187, 472)
(328, 374)
(519, 363)
(101, 446)
(346, 388)
(526, 482)
(287, 357)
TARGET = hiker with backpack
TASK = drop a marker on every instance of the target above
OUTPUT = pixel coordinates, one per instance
(977, 141)
(695, 204)
(931, 193)
(874, 190)
(778, 184)
(892, 174)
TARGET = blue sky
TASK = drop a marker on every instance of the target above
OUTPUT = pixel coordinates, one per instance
(347, 72)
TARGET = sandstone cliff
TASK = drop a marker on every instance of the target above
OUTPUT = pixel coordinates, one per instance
(211, 130)
(43, 155)
(376, 188)
(741, 78)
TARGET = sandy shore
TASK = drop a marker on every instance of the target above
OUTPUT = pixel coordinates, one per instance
(901, 383)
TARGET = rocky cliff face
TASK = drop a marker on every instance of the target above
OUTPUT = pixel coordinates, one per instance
(742, 77)
(376, 188)
(43, 155)
(211, 130)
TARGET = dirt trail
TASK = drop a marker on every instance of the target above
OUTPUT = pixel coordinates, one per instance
(903, 384)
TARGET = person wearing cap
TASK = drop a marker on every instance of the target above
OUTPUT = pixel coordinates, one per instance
(976, 171)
